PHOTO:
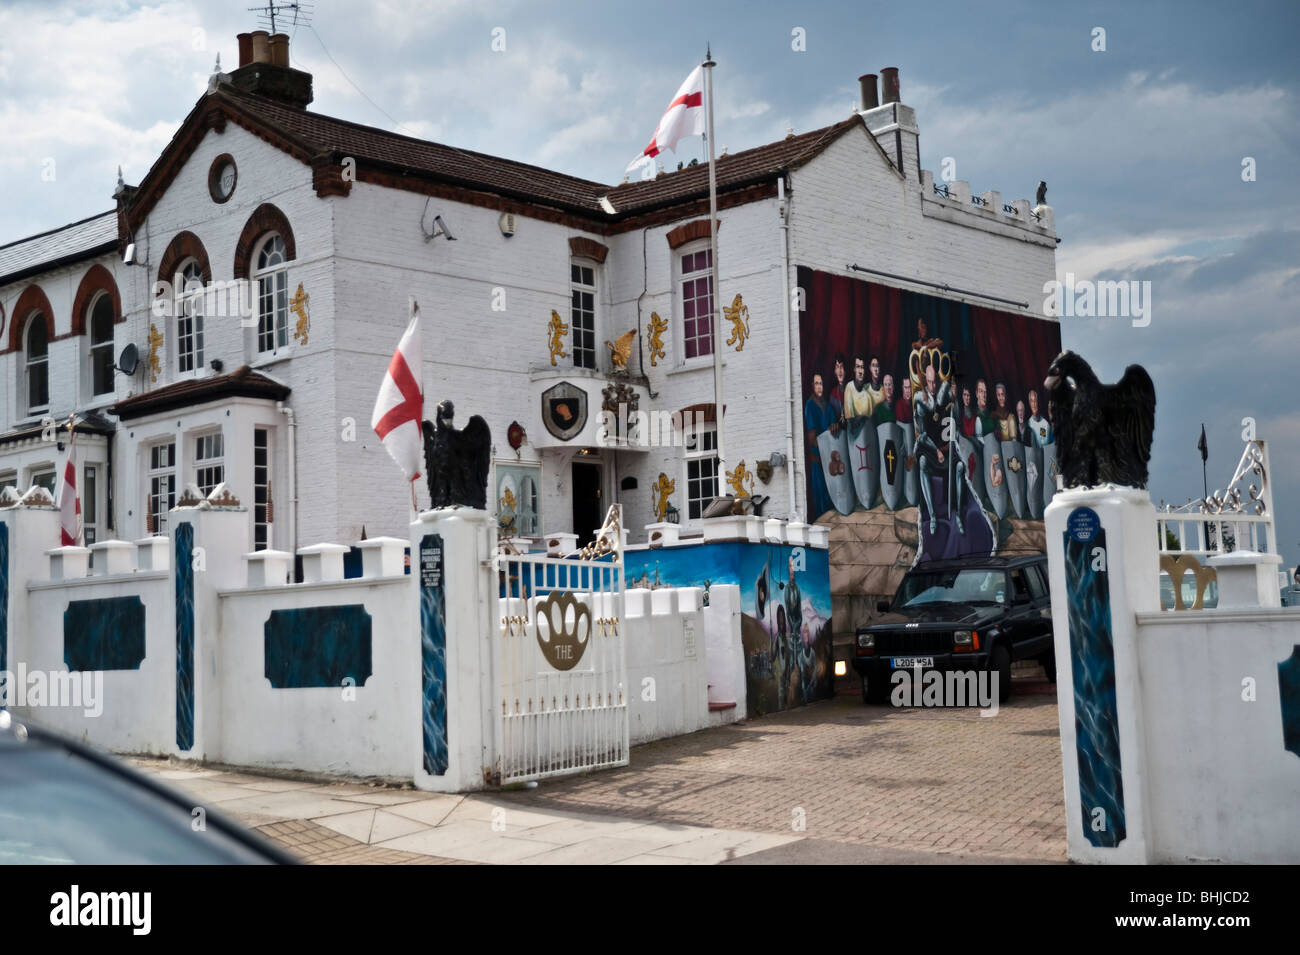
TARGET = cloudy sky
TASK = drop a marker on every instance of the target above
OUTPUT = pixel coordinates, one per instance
(1142, 144)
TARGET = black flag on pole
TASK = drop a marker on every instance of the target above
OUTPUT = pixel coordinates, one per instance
(1202, 446)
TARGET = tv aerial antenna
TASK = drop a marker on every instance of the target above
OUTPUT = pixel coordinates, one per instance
(295, 13)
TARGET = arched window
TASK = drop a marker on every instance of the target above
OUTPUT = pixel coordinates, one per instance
(100, 321)
(527, 521)
(189, 320)
(272, 279)
(36, 347)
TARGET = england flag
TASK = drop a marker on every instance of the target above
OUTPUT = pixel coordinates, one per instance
(69, 502)
(684, 117)
(400, 405)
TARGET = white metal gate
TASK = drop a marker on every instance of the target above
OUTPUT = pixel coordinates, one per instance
(562, 700)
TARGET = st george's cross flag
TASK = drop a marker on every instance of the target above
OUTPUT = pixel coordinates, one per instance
(684, 117)
(69, 502)
(400, 405)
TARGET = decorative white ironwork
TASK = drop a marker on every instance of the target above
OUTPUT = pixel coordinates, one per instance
(556, 721)
(1235, 518)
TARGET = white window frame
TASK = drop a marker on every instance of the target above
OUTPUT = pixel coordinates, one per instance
(93, 348)
(272, 284)
(155, 473)
(90, 510)
(189, 320)
(265, 484)
(209, 455)
(577, 287)
(699, 445)
(679, 299)
(29, 365)
(38, 471)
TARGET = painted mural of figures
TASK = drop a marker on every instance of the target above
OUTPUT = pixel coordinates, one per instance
(903, 406)
(1006, 421)
(933, 451)
(1039, 427)
(837, 391)
(985, 423)
(862, 396)
(884, 412)
(819, 415)
(967, 419)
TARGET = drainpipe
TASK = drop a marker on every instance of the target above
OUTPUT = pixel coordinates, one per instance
(293, 475)
(796, 508)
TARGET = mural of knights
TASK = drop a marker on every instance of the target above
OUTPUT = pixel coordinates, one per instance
(785, 602)
(912, 401)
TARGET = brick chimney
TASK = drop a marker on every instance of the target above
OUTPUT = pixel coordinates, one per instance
(264, 69)
(892, 123)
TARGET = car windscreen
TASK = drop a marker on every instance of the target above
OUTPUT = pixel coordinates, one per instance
(966, 586)
(58, 808)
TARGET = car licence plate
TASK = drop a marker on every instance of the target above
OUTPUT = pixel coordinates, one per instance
(911, 663)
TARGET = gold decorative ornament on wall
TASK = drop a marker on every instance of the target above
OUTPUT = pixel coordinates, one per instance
(155, 346)
(558, 329)
(298, 305)
(621, 350)
(738, 314)
(663, 490)
(740, 476)
(655, 333)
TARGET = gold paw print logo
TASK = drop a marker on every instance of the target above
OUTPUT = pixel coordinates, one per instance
(298, 305)
(655, 333)
(563, 629)
(155, 346)
(739, 477)
(663, 490)
(738, 314)
(558, 329)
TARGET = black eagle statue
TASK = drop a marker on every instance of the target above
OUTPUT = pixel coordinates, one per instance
(1103, 432)
(456, 462)
(1041, 198)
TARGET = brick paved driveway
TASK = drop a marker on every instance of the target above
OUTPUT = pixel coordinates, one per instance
(935, 780)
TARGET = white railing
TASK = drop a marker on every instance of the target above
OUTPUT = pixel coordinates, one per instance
(562, 704)
(1224, 521)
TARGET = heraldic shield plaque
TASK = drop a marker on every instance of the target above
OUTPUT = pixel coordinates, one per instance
(564, 410)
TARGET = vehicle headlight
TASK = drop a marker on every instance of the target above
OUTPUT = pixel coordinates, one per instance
(961, 638)
(866, 641)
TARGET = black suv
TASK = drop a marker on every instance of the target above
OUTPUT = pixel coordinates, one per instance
(971, 613)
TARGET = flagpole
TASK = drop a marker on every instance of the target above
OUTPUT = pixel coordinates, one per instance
(716, 317)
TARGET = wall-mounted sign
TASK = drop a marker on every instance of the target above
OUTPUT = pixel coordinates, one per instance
(563, 629)
(564, 410)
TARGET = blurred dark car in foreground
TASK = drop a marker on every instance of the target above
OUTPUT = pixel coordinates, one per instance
(64, 803)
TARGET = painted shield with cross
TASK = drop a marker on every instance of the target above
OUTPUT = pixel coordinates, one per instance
(1034, 482)
(1051, 471)
(834, 451)
(893, 463)
(864, 460)
(911, 468)
(1013, 460)
(995, 476)
(972, 455)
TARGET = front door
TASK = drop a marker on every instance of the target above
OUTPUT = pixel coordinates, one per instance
(588, 506)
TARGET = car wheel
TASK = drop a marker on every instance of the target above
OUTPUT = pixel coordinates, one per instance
(875, 693)
(1001, 665)
(1049, 666)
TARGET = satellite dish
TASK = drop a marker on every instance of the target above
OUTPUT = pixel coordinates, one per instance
(128, 360)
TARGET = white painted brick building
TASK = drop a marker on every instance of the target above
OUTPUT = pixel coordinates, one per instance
(353, 206)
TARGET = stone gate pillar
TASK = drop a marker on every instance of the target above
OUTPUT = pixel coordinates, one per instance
(1104, 563)
(454, 574)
